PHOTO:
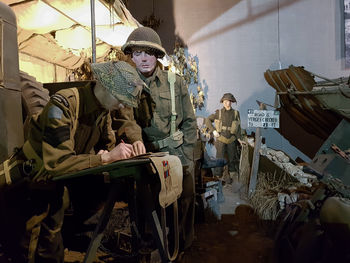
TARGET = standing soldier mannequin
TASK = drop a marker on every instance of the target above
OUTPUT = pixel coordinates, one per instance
(227, 132)
(166, 117)
(64, 138)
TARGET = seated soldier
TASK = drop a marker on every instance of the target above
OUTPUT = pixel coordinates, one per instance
(64, 138)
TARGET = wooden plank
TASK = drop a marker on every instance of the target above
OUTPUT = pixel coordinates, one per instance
(256, 157)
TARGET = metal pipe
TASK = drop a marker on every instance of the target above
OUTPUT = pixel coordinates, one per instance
(93, 31)
(315, 92)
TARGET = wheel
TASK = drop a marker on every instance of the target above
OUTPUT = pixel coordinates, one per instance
(34, 98)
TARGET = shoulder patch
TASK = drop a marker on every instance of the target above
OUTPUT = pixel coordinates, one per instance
(60, 99)
(55, 113)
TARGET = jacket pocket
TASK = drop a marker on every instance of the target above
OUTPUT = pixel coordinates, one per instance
(164, 107)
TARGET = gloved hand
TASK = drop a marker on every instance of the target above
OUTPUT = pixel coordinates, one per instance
(216, 134)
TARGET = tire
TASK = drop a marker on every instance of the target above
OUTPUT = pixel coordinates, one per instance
(34, 98)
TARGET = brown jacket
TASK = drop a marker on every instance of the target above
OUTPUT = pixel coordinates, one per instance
(62, 148)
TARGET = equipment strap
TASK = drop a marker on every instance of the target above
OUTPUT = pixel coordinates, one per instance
(76, 94)
(8, 168)
(13, 164)
(176, 232)
(171, 80)
(7, 172)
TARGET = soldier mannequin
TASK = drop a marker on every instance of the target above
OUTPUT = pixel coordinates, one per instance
(155, 113)
(63, 138)
(227, 132)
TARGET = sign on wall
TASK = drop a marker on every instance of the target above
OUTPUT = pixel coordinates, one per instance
(263, 118)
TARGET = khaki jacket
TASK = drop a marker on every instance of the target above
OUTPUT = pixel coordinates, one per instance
(54, 139)
(229, 125)
(154, 113)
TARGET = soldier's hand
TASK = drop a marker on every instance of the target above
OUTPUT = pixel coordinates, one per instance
(102, 151)
(216, 134)
(121, 151)
(242, 142)
(139, 148)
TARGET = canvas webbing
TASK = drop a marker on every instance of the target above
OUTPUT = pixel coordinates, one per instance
(176, 232)
(7, 172)
(171, 80)
(76, 94)
(13, 164)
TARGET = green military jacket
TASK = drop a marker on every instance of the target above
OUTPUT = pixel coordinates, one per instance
(64, 148)
(229, 124)
(154, 113)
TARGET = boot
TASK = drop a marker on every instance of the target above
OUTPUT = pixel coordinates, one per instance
(236, 185)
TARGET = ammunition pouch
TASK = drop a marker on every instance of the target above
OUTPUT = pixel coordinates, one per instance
(218, 125)
(173, 141)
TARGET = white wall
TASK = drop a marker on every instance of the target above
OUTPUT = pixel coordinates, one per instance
(237, 41)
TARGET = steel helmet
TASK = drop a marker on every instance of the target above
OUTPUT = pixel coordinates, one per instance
(228, 96)
(144, 37)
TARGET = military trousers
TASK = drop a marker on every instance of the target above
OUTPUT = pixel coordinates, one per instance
(187, 208)
(231, 153)
(33, 220)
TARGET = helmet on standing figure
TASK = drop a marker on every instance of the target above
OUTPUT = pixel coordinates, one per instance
(144, 37)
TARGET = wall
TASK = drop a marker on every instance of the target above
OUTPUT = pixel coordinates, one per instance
(236, 41)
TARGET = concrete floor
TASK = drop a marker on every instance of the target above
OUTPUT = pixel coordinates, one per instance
(232, 200)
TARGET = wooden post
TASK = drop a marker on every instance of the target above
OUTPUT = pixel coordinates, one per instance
(256, 157)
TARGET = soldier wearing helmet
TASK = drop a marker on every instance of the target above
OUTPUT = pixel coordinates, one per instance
(73, 132)
(168, 122)
(227, 131)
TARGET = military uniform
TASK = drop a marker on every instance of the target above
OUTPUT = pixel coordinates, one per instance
(64, 150)
(228, 124)
(166, 126)
(156, 128)
(153, 115)
(65, 138)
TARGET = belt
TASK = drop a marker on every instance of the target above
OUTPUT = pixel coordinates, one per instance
(224, 128)
(160, 144)
(227, 140)
(173, 141)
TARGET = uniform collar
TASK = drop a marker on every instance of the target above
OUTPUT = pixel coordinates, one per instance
(226, 110)
(90, 104)
(157, 75)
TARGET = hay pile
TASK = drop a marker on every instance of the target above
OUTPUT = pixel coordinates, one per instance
(280, 182)
(265, 200)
